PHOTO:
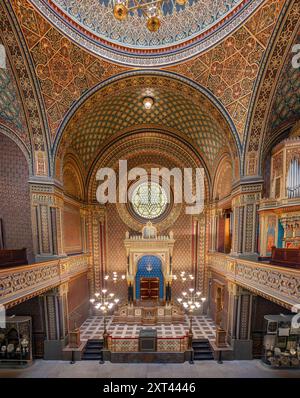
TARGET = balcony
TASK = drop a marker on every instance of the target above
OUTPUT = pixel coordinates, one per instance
(20, 283)
(278, 284)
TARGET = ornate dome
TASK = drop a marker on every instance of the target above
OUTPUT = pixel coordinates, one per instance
(184, 32)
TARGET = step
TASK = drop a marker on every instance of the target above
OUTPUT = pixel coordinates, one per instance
(203, 358)
(200, 345)
(92, 351)
(94, 346)
(207, 351)
(95, 342)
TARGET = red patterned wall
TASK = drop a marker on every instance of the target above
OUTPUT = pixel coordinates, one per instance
(15, 199)
(72, 229)
(78, 301)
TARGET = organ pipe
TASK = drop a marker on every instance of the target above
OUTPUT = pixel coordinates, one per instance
(293, 180)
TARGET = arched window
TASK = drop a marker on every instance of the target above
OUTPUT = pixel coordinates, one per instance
(293, 179)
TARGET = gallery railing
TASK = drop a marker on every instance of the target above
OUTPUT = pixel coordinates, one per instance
(279, 284)
(20, 283)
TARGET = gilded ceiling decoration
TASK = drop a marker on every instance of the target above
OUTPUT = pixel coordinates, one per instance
(145, 149)
(35, 132)
(230, 69)
(184, 32)
(286, 106)
(267, 87)
(64, 70)
(119, 107)
(10, 107)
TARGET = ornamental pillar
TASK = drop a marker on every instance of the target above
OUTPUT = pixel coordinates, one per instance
(56, 321)
(47, 219)
(240, 321)
(213, 214)
(97, 244)
(199, 245)
(84, 228)
(245, 204)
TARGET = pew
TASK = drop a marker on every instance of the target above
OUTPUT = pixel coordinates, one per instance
(13, 258)
(286, 257)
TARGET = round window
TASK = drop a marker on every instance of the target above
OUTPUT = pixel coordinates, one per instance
(149, 200)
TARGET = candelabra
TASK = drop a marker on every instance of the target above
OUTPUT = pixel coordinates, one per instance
(114, 277)
(191, 301)
(151, 9)
(104, 302)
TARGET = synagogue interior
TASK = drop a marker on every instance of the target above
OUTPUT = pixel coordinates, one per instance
(123, 87)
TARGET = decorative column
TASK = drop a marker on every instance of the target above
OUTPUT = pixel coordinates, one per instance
(232, 311)
(84, 227)
(47, 218)
(200, 247)
(245, 205)
(56, 322)
(240, 321)
(213, 215)
(97, 240)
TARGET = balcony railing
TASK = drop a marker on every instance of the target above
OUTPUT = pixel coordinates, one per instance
(278, 284)
(21, 283)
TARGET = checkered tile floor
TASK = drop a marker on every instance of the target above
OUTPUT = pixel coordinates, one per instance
(92, 328)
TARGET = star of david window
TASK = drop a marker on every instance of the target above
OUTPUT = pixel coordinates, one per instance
(149, 201)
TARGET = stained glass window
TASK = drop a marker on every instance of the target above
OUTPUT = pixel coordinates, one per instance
(149, 200)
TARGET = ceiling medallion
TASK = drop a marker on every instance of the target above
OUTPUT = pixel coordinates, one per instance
(148, 102)
(150, 9)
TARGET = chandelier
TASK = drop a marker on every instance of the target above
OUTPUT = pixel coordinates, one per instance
(151, 9)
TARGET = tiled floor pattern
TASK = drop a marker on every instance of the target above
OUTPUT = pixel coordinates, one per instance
(92, 328)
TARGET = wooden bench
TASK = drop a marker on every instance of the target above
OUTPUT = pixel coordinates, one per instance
(286, 257)
(13, 258)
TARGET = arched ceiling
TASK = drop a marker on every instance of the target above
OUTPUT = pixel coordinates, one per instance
(59, 72)
(10, 107)
(118, 108)
(146, 149)
(230, 69)
(276, 76)
(21, 91)
(286, 105)
(184, 32)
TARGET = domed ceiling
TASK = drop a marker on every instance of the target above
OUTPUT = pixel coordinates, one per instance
(184, 32)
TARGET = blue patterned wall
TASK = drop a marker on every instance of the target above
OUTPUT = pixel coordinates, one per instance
(156, 272)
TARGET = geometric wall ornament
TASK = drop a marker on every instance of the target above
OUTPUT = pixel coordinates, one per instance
(229, 70)
(266, 86)
(34, 126)
(64, 70)
(286, 105)
(118, 107)
(185, 30)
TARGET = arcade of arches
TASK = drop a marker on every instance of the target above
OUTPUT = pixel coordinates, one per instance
(96, 277)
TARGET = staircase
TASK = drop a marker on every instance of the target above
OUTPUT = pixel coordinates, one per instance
(93, 350)
(202, 350)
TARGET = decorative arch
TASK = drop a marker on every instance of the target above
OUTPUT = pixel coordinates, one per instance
(223, 179)
(171, 147)
(25, 76)
(259, 113)
(177, 85)
(17, 140)
(72, 177)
